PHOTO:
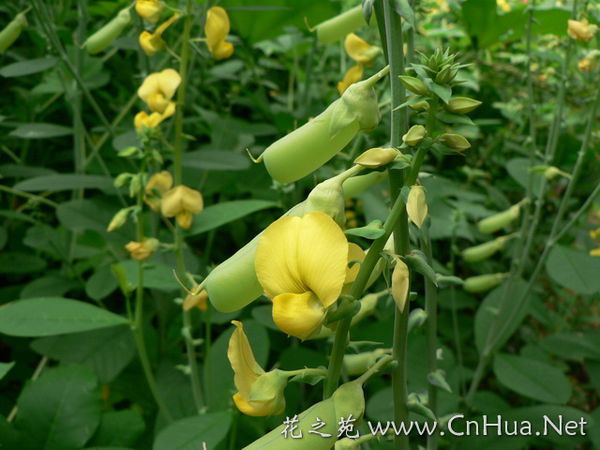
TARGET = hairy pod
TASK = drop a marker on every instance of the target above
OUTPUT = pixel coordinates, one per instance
(101, 39)
(339, 26)
(497, 221)
(12, 31)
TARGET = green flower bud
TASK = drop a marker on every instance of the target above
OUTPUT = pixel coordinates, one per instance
(455, 141)
(415, 135)
(12, 31)
(339, 26)
(118, 219)
(462, 105)
(482, 283)
(101, 39)
(497, 221)
(446, 75)
(551, 172)
(122, 179)
(414, 85)
(376, 157)
(423, 105)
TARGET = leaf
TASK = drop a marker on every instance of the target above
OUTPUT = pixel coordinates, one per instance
(518, 168)
(403, 8)
(572, 346)
(66, 182)
(28, 67)
(194, 433)
(574, 269)
(80, 215)
(443, 92)
(532, 378)
(60, 410)
(19, 263)
(373, 230)
(119, 429)
(101, 284)
(40, 131)
(438, 379)
(106, 351)
(156, 275)
(4, 369)
(216, 215)
(48, 286)
(49, 316)
(216, 160)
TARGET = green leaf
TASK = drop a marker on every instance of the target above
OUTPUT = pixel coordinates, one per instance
(101, 284)
(216, 215)
(156, 275)
(60, 410)
(4, 369)
(443, 92)
(107, 351)
(29, 67)
(84, 215)
(403, 8)
(48, 286)
(19, 263)
(373, 230)
(194, 433)
(572, 346)
(574, 269)
(532, 378)
(518, 168)
(48, 316)
(66, 182)
(119, 429)
(216, 160)
(40, 131)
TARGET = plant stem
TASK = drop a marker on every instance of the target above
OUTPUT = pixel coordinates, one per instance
(374, 369)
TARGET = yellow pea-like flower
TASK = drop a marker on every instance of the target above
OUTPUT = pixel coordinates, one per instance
(196, 300)
(158, 89)
(581, 30)
(301, 263)
(142, 250)
(216, 29)
(182, 202)
(149, 9)
(157, 185)
(595, 252)
(352, 75)
(359, 50)
(416, 205)
(259, 393)
(152, 43)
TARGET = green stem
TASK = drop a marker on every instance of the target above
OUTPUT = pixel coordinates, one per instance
(374, 369)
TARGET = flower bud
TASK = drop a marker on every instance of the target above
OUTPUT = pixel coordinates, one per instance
(462, 105)
(101, 39)
(414, 85)
(482, 283)
(376, 157)
(12, 31)
(121, 179)
(141, 251)
(118, 219)
(400, 283)
(339, 26)
(149, 9)
(455, 141)
(416, 205)
(497, 221)
(415, 135)
(423, 105)
(581, 30)
(196, 300)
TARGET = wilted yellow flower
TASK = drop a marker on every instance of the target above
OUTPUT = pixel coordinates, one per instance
(153, 43)
(581, 30)
(416, 205)
(196, 300)
(149, 9)
(216, 29)
(142, 250)
(359, 50)
(301, 263)
(181, 202)
(157, 185)
(158, 89)
(259, 393)
(400, 283)
(352, 75)
(143, 119)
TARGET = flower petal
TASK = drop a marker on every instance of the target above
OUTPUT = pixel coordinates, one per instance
(298, 315)
(355, 253)
(168, 82)
(322, 255)
(257, 409)
(352, 75)
(217, 26)
(276, 258)
(241, 357)
(148, 87)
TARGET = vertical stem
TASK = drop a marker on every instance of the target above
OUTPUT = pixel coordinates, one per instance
(177, 176)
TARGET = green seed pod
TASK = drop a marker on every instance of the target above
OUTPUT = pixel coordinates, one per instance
(455, 141)
(339, 26)
(482, 251)
(462, 105)
(359, 363)
(482, 283)
(12, 31)
(497, 221)
(313, 144)
(101, 39)
(355, 185)
(415, 135)
(347, 400)
(414, 85)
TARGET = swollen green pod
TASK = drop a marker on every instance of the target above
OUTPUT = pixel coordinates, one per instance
(12, 31)
(307, 148)
(339, 26)
(233, 283)
(482, 283)
(497, 221)
(483, 251)
(347, 400)
(356, 185)
(101, 39)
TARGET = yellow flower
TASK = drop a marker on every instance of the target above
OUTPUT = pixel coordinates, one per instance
(581, 30)
(143, 119)
(181, 202)
(142, 250)
(353, 74)
(149, 9)
(595, 234)
(359, 50)
(301, 263)
(157, 185)
(503, 5)
(595, 252)
(153, 43)
(216, 29)
(196, 300)
(259, 393)
(158, 89)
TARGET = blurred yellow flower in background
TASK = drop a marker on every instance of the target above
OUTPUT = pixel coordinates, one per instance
(581, 30)
(149, 9)
(182, 202)
(153, 43)
(216, 29)
(142, 250)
